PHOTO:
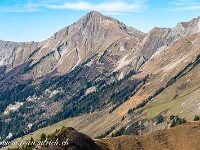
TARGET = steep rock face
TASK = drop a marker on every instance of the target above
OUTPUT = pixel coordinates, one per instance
(90, 35)
(6, 52)
(13, 54)
(71, 46)
(159, 39)
(189, 28)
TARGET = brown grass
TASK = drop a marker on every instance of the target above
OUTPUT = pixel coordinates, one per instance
(183, 137)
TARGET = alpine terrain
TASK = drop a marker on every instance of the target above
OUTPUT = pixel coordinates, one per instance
(104, 79)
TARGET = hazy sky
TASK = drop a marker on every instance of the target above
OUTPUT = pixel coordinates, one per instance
(37, 20)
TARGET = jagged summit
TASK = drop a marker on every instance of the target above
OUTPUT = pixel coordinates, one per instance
(91, 34)
(91, 15)
(98, 19)
(182, 28)
(94, 13)
(188, 28)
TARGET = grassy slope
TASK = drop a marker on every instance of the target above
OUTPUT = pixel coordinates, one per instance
(183, 137)
(79, 123)
(182, 98)
(186, 104)
(176, 100)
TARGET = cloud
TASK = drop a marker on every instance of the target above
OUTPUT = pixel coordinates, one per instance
(185, 5)
(186, 8)
(18, 7)
(117, 7)
(182, 4)
(109, 7)
(115, 13)
(16, 10)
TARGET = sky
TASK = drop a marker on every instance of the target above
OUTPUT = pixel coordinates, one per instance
(37, 20)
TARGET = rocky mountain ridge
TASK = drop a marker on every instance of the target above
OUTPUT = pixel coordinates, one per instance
(97, 68)
(71, 46)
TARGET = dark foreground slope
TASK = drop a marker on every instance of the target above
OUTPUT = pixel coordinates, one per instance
(182, 137)
(75, 141)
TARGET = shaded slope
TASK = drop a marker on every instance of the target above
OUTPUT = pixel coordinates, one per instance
(75, 141)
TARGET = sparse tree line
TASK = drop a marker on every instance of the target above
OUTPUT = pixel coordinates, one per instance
(72, 86)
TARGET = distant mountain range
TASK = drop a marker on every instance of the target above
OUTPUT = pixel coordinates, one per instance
(100, 77)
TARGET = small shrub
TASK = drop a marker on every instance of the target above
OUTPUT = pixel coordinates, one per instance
(173, 124)
(196, 118)
(171, 117)
(115, 134)
(123, 118)
(177, 121)
(118, 133)
(184, 120)
(160, 119)
(43, 137)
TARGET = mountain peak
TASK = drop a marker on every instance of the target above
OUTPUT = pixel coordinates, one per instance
(96, 20)
(93, 14)
(190, 27)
